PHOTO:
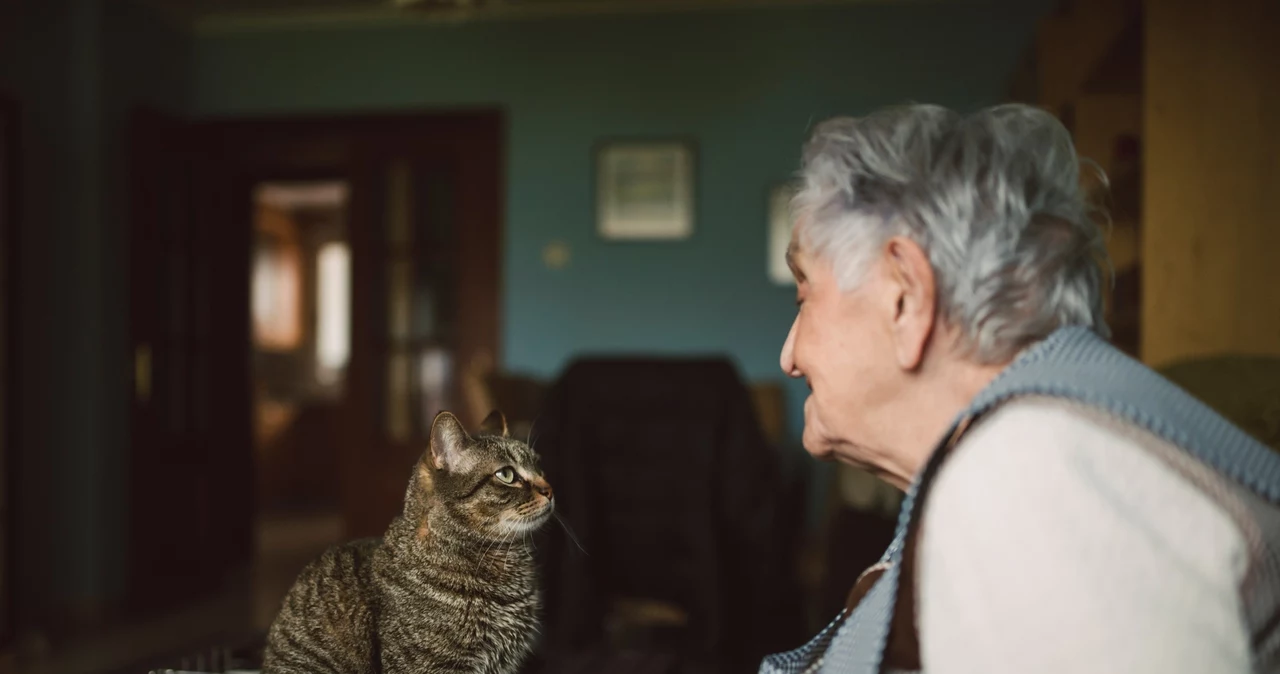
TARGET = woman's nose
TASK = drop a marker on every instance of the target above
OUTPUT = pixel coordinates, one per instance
(787, 360)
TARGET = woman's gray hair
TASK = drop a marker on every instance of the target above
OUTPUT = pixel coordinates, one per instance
(993, 198)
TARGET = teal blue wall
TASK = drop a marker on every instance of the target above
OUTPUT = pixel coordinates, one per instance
(744, 84)
(49, 63)
(75, 67)
(145, 62)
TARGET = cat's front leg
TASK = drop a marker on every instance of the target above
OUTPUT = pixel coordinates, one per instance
(400, 658)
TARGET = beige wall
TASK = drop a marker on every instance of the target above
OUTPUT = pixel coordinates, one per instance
(1099, 120)
(1211, 245)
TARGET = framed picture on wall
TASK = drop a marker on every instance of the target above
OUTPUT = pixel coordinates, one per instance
(645, 190)
(779, 232)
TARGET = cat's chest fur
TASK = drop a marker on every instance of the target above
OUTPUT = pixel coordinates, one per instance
(464, 613)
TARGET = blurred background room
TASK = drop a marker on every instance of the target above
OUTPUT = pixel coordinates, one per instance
(248, 248)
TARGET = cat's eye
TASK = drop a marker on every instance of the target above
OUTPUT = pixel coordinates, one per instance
(506, 475)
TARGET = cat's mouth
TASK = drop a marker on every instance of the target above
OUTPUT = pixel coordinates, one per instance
(525, 523)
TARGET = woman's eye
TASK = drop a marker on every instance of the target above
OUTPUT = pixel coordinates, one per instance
(506, 475)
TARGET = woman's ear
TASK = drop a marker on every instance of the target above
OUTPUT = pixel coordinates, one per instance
(915, 309)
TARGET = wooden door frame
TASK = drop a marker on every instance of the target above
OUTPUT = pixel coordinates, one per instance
(163, 166)
(263, 147)
(239, 141)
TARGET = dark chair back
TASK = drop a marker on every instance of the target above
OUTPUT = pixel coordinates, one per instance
(662, 472)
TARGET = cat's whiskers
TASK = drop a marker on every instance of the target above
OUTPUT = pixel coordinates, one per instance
(485, 555)
(507, 558)
(529, 436)
(498, 543)
(569, 531)
(485, 552)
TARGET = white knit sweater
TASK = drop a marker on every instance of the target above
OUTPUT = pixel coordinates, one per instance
(1057, 540)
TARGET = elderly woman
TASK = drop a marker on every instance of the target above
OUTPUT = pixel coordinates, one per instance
(1067, 509)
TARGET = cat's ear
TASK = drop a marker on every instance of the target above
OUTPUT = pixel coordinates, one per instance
(448, 443)
(495, 424)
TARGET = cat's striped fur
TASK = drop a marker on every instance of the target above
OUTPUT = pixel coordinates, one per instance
(450, 587)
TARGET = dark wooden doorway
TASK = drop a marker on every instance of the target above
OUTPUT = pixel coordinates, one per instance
(423, 222)
(189, 423)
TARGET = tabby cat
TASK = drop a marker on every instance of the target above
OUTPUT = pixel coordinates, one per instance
(451, 585)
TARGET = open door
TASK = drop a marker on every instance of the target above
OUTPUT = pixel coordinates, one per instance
(426, 284)
(190, 494)
(410, 344)
(423, 221)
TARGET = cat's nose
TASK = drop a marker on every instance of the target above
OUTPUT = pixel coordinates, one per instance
(542, 487)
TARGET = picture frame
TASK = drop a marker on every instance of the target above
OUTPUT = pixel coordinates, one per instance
(778, 232)
(645, 190)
